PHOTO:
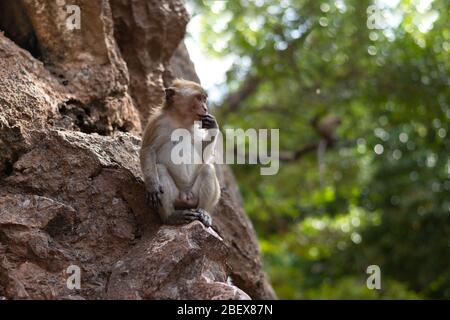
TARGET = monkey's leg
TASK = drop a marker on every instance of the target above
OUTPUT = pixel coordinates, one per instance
(207, 187)
(167, 212)
(169, 195)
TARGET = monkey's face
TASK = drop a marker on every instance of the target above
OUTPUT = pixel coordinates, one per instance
(198, 104)
(191, 104)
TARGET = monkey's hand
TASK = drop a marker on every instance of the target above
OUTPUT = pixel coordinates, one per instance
(153, 195)
(209, 122)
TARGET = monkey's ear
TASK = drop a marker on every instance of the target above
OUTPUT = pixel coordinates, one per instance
(170, 92)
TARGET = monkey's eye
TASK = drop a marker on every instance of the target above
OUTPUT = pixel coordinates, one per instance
(201, 97)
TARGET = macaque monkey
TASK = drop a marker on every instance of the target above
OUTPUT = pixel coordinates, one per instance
(326, 128)
(180, 192)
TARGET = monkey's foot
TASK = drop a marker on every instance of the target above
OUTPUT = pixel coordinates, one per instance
(186, 200)
(187, 216)
(204, 217)
(182, 217)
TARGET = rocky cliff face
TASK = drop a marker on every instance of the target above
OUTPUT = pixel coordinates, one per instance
(72, 107)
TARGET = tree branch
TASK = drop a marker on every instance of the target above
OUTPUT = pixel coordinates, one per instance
(232, 102)
(290, 156)
(270, 108)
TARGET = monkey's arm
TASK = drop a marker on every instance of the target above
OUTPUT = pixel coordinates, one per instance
(208, 144)
(210, 138)
(151, 178)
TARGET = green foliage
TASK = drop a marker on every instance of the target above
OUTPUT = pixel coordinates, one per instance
(384, 196)
(350, 288)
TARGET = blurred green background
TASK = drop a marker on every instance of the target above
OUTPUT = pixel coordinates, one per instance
(381, 195)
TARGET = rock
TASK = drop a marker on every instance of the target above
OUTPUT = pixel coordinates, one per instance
(180, 66)
(191, 271)
(88, 212)
(147, 33)
(71, 190)
(86, 60)
(82, 67)
(237, 231)
(30, 211)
